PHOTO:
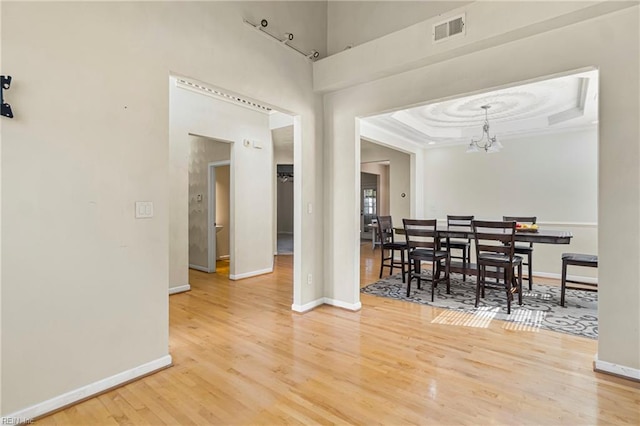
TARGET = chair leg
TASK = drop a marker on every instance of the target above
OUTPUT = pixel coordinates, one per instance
(409, 279)
(391, 261)
(402, 264)
(530, 270)
(519, 284)
(478, 283)
(507, 285)
(447, 270)
(381, 260)
(564, 282)
(464, 262)
(435, 276)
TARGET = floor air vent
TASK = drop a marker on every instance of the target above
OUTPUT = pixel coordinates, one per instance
(449, 28)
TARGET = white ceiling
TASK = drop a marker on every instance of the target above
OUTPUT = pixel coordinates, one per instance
(550, 106)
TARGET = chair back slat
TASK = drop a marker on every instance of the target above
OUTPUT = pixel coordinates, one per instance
(453, 220)
(521, 219)
(494, 237)
(385, 229)
(421, 233)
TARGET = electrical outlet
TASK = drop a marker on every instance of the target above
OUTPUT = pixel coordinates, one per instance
(309, 279)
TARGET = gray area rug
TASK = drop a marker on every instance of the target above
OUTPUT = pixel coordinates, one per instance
(540, 307)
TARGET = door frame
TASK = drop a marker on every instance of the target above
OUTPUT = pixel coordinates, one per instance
(211, 216)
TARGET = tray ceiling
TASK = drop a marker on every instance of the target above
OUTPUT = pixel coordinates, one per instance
(555, 105)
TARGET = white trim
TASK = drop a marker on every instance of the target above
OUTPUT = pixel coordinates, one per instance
(222, 95)
(92, 389)
(224, 257)
(250, 274)
(307, 306)
(571, 224)
(615, 369)
(344, 305)
(588, 280)
(298, 217)
(179, 289)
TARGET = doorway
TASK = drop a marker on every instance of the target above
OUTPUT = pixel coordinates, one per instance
(218, 223)
(368, 203)
(284, 214)
(209, 201)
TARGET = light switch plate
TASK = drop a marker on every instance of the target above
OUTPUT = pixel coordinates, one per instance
(144, 209)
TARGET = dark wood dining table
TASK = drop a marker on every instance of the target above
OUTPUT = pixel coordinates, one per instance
(541, 236)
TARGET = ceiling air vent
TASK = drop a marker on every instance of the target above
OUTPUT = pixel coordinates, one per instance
(446, 29)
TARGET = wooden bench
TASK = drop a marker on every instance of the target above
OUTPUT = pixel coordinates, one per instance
(577, 259)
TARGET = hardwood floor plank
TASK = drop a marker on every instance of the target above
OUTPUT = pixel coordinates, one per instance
(242, 357)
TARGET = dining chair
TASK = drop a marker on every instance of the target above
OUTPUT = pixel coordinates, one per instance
(390, 246)
(457, 244)
(424, 246)
(495, 244)
(525, 249)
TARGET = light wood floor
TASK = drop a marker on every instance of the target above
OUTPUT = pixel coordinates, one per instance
(243, 357)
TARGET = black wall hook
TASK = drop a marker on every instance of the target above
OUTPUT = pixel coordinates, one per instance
(5, 83)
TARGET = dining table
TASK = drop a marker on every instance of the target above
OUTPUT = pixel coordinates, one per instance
(536, 236)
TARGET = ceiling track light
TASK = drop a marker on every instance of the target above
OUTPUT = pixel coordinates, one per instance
(284, 41)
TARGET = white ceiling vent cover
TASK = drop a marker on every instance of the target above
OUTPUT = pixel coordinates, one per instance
(444, 30)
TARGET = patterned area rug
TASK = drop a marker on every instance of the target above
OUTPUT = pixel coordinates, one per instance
(540, 308)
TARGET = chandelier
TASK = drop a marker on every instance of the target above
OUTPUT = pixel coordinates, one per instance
(488, 143)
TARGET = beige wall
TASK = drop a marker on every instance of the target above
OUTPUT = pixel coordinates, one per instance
(202, 152)
(553, 177)
(91, 137)
(223, 210)
(488, 59)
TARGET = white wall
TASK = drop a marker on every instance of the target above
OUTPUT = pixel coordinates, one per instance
(91, 137)
(559, 46)
(251, 181)
(553, 177)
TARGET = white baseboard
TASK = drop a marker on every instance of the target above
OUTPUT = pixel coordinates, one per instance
(617, 370)
(179, 289)
(224, 257)
(199, 268)
(344, 305)
(326, 301)
(307, 306)
(251, 274)
(89, 390)
(589, 280)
